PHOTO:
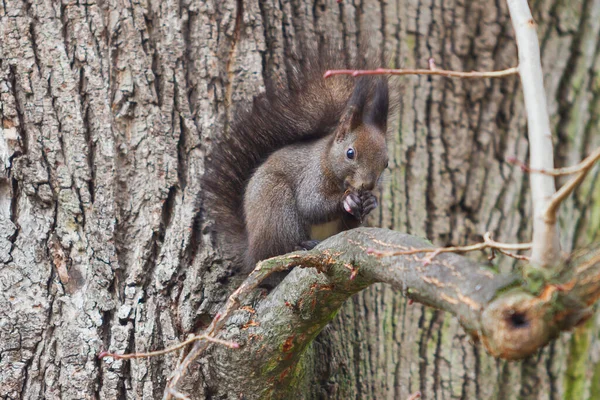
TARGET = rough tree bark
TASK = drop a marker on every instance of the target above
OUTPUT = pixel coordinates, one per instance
(108, 109)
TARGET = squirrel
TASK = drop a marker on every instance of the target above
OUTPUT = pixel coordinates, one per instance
(304, 156)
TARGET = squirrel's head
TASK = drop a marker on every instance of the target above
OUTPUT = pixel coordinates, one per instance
(358, 154)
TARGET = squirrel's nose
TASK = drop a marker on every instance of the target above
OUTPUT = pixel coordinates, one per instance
(368, 185)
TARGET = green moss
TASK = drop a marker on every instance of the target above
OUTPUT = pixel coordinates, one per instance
(535, 279)
(411, 43)
(299, 371)
(388, 323)
(593, 222)
(596, 83)
(392, 61)
(493, 267)
(575, 374)
(595, 388)
(270, 366)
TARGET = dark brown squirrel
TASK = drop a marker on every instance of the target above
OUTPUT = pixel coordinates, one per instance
(303, 156)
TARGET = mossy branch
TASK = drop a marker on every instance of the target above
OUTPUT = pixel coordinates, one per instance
(513, 317)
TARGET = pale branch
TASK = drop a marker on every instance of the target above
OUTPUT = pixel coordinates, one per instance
(433, 70)
(513, 317)
(545, 241)
(487, 243)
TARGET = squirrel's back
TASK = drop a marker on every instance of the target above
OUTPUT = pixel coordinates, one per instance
(309, 107)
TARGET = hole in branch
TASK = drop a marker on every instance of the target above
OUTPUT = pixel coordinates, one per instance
(518, 320)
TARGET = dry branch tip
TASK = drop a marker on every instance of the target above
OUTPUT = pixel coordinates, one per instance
(414, 396)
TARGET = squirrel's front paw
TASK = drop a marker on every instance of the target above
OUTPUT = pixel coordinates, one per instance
(352, 204)
(359, 205)
(369, 202)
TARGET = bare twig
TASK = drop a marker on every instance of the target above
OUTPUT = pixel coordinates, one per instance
(545, 243)
(587, 163)
(437, 250)
(231, 345)
(513, 255)
(583, 168)
(580, 169)
(487, 243)
(433, 70)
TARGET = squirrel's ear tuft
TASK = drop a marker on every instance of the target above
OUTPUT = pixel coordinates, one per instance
(369, 104)
(377, 112)
(355, 110)
(351, 119)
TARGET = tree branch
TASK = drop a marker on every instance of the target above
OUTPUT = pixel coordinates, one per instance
(545, 241)
(512, 317)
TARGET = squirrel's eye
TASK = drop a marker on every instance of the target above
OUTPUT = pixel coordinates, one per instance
(350, 153)
(387, 164)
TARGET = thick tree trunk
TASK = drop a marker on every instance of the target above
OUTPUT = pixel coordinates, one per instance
(108, 109)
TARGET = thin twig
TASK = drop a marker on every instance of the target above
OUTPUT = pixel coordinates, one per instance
(584, 167)
(454, 249)
(433, 70)
(594, 157)
(513, 255)
(487, 243)
(504, 246)
(231, 345)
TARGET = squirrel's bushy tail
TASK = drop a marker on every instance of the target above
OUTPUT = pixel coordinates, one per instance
(309, 107)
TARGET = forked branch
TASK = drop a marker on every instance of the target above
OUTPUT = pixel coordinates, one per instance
(511, 317)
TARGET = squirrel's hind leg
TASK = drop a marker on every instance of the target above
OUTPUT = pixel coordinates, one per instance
(272, 221)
